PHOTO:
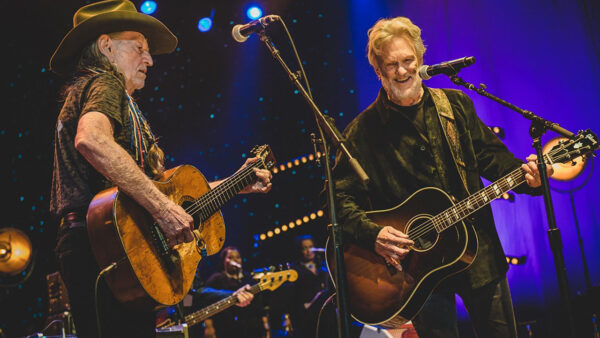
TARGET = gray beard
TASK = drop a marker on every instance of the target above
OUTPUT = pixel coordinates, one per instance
(396, 95)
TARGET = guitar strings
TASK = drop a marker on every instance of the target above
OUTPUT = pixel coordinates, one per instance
(219, 190)
(206, 199)
(461, 207)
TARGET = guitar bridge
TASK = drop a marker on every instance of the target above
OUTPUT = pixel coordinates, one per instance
(167, 256)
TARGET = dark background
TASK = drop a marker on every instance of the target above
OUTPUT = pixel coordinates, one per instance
(213, 99)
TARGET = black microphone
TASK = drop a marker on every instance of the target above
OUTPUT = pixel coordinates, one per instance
(241, 33)
(448, 67)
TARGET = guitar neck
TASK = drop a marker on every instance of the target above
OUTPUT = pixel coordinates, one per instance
(222, 305)
(478, 200)
(213, 200)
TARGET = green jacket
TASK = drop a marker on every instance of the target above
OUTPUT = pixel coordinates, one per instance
(399, 160)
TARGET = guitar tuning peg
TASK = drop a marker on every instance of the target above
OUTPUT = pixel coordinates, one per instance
(272, 268)
(280, 267)
(288, 265)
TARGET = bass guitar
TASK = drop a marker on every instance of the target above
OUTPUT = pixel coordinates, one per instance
(267, 281)
(379, 294)
(148, 274)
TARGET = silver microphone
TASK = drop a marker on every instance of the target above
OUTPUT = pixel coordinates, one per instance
(241, 33)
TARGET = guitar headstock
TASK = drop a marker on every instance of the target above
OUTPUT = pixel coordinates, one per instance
(265, 155)
(273, 280)
(581, 144)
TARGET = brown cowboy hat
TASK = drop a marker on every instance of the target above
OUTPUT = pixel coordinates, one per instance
(92, 20)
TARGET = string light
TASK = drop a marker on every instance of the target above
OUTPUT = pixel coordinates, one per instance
(498, 131)
(295, 162)
(516, 260)
(508, 196)
(291, 225)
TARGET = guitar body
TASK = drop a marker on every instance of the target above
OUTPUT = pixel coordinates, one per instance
(119, 231)
(379, 294)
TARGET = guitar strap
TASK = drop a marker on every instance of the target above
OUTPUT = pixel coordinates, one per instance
(448, 123)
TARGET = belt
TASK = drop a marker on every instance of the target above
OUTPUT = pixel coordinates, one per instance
(73, 219)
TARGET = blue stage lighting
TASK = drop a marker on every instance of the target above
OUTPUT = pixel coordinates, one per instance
(205, 24)
(254, 12)
(148, 7)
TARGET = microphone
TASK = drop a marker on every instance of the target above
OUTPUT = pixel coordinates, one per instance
(241, 33)
(448, 67)
(317, 249)
(235, 264)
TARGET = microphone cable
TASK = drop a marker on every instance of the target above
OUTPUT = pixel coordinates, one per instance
(289, 36)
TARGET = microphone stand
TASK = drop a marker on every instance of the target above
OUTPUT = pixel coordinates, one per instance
(538, 127)
(337, 141)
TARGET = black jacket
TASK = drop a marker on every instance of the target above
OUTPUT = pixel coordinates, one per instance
(402, 154)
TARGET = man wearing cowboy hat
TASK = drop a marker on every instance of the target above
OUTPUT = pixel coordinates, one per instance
(102, 139)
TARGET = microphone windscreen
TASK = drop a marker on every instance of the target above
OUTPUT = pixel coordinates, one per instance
(237, 35)
(423, 72)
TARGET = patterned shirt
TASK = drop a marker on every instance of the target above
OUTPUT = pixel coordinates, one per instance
(74, 180)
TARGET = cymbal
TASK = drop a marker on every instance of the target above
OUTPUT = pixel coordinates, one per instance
(564, 171)
(15, 251)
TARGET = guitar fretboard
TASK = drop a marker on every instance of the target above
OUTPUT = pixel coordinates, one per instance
(478, 200)
(209, 311)
(213, 200)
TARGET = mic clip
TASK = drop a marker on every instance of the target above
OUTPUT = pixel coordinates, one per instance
(314, 140)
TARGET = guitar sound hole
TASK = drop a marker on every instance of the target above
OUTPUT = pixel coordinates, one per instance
(423, 236)
(426, 242)
(187, 206)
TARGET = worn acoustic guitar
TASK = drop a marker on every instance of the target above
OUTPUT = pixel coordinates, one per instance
(379, 294)
(267, 281)
(149, 274)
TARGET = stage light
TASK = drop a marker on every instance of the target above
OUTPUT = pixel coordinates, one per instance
(270, 233)
(311, 157)
(263, 237)
(305, 219)
(254, 12)
(205, 24)
(298, 221)
(303, 159)
(313, 216)
(275, 170)
(291, 225)
(282, 167)
(277, 231)
(320, 213)
(296, 162)
(148, 7)
(289, 164)
(284, 227)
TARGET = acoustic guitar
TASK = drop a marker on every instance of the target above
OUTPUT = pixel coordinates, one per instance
(267, 281)
(379, 294)
(150, 275)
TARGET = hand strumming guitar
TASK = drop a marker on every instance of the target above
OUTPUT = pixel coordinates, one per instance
(392, 245)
